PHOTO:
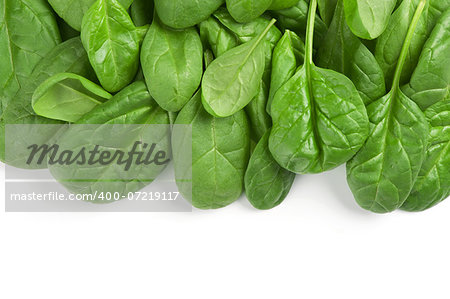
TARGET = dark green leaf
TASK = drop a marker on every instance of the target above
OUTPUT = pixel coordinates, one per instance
(288, 55)
(266, 183)
(220, 153)
(245, 11)
(431, 79)
(319, 119)
(383, 172)
(219, 38)
(343, 52)
(185, 13)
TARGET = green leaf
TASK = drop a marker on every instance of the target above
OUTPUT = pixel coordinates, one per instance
(319, 119)
(368, 18)
(215, 35)
(433, 182)
(260, 121)
(112, 43)
(172, 64)
(435, 10)
(245, 11)
(115, 125)
(383, 172)
(72, 11)
(66, 31)
(326, 9)
(389, 44)
(220, 153)
(266, 183)
(343, 52)
(233, 79)
(295, 19)
(429, 88)
(430, 82)
(250, 30)
(67, 97)
(22, 45)
(282, 4)
(288, 55)
(185, 13)
(142, 11)
(69, 56)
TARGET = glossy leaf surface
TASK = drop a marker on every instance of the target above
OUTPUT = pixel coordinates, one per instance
(112, 43)
(246, 10)
(73, 11)
(220, 153)
(172, 61)
(266, 183)
(368, 18)
(185, 13)
(233, 79)
(383, 172)
(67, 97)
(343, 52)
(319, 119)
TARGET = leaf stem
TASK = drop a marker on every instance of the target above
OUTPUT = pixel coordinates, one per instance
(407, 43)
(310, 32)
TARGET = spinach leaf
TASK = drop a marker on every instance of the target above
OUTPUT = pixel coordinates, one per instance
(429, 88)
(219, 38)
(260, 121)
(250, 30)
(327, 10)
(73, 11)
(22, 45)
(282, 4)
(67, 97)
(220, 153)
(69, 56)
(433, 182)
(142, 11)
(225, 91)
(435, 10)
(368, 18)
(115, 125)
(172, 64)
(383, 172)
(343, 52)
(185, 13)
(112, 43)
(430, 81)
(246, 10)
(65, 30)
(266, 183)
(389, 44)
(319, 118)
(288, 55)
(295, 19)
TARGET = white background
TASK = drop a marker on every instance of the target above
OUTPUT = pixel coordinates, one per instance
(317, 244)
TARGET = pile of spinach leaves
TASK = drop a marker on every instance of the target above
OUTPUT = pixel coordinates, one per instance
(270, 88)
